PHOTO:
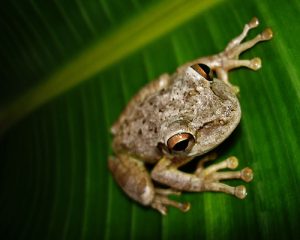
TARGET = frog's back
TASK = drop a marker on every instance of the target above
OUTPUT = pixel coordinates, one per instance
(188, 97)
(137, 132)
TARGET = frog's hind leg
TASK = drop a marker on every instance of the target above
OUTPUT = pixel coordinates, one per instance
(132, 176)
(161, 201)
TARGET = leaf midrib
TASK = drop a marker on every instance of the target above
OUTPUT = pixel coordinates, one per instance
(136, 33)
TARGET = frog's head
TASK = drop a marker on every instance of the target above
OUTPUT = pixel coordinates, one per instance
(211, 111)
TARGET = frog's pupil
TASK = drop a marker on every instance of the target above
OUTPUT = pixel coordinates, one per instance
(205, 68)
(181, 146)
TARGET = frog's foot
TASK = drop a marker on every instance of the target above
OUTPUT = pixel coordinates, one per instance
(211, 177)
(161, 201)
(235, 47)
(229, 58)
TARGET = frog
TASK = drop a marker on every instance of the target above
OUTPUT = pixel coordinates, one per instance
(178, 118)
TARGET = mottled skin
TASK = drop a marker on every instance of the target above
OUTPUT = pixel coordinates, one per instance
(186, 103)
(189, 103)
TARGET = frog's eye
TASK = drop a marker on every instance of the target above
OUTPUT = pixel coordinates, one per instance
(181, 142)
(203, 70)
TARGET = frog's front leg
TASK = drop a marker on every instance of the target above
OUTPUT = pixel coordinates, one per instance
(134, 179)
(203, 179)
(212, 176)
(228, 59)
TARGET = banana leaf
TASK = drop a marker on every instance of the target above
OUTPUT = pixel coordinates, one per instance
(68, 68)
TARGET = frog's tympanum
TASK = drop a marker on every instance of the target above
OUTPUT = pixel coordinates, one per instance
(179, 117)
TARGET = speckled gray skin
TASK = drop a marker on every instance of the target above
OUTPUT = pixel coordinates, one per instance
(190, 103)
(176, 118)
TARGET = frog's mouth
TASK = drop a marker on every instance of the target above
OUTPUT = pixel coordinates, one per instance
(214, 132)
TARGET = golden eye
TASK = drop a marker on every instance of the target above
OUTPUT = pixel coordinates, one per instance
(181, 142)
(204, 71)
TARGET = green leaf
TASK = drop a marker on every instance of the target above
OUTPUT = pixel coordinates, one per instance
(109, 50)
(67, 71)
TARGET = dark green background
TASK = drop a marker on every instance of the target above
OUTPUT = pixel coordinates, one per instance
(54, 178)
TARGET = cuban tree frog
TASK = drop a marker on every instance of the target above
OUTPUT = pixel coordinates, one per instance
(179, 117)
